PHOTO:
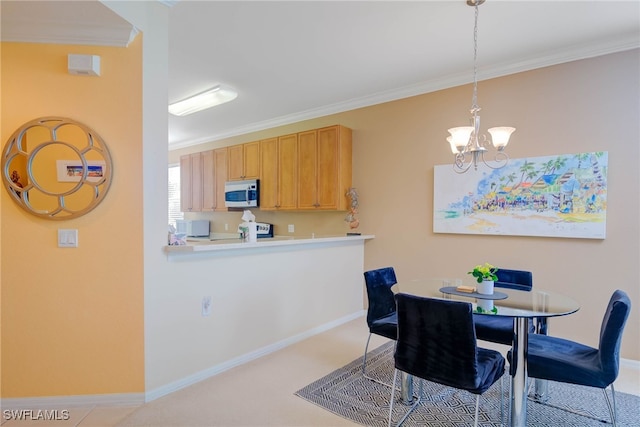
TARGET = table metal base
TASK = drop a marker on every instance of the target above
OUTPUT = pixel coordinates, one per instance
(519, 372)
(406, 388)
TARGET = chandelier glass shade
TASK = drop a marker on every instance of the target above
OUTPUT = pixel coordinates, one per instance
(468, 145)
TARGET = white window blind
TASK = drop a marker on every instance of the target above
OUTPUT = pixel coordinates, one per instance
(174, 194)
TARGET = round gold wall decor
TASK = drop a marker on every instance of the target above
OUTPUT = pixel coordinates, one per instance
(56, 168)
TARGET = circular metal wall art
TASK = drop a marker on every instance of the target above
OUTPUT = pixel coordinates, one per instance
(56, 168)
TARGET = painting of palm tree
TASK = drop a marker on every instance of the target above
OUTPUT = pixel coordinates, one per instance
(552, 196)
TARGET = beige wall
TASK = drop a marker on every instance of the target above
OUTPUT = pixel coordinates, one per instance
(72, 319)
(588, 105)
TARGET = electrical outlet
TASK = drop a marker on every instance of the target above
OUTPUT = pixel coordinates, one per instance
(226, 227)
(291, 228)
(206, 306)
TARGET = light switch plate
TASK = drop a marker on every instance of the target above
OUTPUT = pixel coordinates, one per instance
(67, 238)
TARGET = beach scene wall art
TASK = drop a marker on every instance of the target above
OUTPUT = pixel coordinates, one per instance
(552, 196)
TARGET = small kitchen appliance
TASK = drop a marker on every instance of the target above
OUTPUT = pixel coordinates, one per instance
(263, 230)
(242, 194)
(193, 227)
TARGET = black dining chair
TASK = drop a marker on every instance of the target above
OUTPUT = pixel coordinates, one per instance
(562, 360)
(437, 342)
(381, 313)
(500, 329)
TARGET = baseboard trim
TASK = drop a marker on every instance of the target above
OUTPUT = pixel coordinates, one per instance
(634, 365)
(136, 399)
(215, 370)
(66, 402)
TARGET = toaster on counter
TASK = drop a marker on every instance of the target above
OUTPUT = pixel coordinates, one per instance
(264, 229)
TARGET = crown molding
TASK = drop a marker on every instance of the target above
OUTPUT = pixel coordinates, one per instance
(575, 53)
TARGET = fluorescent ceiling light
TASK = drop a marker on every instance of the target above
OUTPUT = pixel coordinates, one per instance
(209, 98)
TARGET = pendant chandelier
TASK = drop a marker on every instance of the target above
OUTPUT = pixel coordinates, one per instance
(467, 144)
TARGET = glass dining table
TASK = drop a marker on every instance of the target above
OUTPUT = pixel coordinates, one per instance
(519, 305)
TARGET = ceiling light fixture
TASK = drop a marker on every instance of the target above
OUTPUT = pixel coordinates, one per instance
(466, 142)
(217, 95)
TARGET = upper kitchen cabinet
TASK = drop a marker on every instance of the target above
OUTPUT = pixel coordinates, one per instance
(191, 182)
(209, 200)
(278, 177)
(202, 178)
(244, 161)
(324, 168)
(220, 167)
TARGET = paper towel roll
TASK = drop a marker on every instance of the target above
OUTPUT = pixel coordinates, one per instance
(253, 232)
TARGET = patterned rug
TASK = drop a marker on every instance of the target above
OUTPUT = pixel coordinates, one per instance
(346, 393)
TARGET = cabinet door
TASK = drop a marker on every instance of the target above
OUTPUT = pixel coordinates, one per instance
(235, 155)
(269, 174)
(208, 181)
(191, 183)
(220, 167)
(244, 161)
(328, 153)
(185, 183)
(307, 170)
(288, 172)
(251, 162)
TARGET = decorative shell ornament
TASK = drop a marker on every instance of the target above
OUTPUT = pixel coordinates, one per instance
(351, 217)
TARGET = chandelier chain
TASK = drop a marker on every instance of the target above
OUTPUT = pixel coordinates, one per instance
(468, 145)
(474, 101)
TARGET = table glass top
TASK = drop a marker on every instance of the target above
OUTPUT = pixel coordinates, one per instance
(536, 303)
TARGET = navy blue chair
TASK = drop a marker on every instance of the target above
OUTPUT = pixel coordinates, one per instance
(566, 361)
(437, 342)
(381, 313)
(500, 329)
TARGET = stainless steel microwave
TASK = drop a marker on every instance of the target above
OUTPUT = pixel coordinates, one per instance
(242, 194)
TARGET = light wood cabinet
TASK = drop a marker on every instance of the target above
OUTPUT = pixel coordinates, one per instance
(220, 167)
(191, 182)
(209, 199)
(244, 161)
(278, 176)
(303, 171)
(202, 178)
(324, 168)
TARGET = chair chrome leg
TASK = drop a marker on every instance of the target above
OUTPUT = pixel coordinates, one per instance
(502, 400)
(612, 408)
(393, 391)
(475, 419)
(364, 362)
(364, 366)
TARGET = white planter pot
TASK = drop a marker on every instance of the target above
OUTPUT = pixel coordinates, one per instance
(485, 304)
(485, 287)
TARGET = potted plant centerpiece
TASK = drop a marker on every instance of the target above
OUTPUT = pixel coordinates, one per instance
(485, 276)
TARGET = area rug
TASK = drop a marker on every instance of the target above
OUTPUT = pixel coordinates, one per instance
(347, 393)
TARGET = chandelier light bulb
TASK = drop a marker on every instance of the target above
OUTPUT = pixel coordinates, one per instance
(500, 136)
(459, 138)
(454, 149)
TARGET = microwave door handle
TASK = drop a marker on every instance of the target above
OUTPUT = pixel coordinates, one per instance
(247, 196)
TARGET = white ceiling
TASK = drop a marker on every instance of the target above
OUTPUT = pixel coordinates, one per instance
(294, 60)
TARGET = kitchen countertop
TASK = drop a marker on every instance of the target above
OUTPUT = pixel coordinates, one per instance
(204, 244)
